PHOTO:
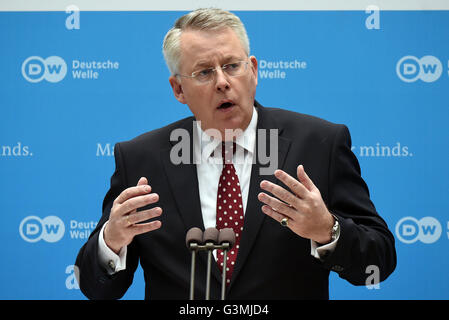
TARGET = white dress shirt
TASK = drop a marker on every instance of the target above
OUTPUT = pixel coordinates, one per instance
(208, 159)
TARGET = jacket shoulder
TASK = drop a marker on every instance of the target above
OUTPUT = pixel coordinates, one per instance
(293, 121)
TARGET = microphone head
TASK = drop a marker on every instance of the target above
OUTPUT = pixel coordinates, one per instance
(194, 235)
(227, 235)
(210, 235)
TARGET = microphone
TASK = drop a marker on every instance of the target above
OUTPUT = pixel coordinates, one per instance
(194, 238)
(210, 239)
(226, 239)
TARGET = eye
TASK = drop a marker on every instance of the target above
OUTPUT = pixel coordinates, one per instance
(205, 72)
(231, 66)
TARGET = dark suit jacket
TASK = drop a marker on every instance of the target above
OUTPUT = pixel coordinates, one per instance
(273, 262)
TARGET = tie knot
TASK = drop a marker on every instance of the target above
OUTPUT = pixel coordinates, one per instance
(227, 151)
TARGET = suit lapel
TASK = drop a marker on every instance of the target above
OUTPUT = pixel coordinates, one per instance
(183, 182)
(254, 216)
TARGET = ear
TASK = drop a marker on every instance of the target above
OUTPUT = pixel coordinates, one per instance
(177, 89)
(253, 66)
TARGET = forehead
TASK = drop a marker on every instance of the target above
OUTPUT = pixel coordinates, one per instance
(201, 47)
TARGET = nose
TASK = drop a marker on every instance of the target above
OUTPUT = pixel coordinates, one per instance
(221, 81)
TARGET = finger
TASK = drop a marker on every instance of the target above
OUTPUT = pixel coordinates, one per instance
(146, 227)
(304, 178)
(142, 181)
(144, 215)
(294, 185)
(280, 192)
(277, 205)
(272, 213)
(138, 202)
(132, 192)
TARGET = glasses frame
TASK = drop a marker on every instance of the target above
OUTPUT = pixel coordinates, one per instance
(223, 68)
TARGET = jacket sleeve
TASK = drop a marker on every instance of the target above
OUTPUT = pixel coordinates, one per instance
(93, 279)
(365, 241)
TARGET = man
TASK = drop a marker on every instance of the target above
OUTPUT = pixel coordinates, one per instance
(293, 225)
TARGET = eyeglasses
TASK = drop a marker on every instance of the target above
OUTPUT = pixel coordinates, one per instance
(233, 69)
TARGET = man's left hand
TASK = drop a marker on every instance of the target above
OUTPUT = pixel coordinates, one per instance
(302, 205)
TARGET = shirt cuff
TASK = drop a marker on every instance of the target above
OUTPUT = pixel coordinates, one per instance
(321, 251)
(109, 259)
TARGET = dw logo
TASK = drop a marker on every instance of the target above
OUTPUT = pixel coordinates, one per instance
(426, 230)
(410, 69)
(50, 229)
(52, 69)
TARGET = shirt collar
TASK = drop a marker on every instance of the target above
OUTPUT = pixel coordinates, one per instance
(247, 140)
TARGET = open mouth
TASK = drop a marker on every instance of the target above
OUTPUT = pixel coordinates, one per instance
(225, 105)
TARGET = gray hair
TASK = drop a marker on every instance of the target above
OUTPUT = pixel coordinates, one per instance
(200, 19)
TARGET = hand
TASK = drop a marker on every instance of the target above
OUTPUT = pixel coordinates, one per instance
(302, 205)
(124, 218)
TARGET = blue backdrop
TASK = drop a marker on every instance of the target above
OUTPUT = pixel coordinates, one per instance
(385, 76)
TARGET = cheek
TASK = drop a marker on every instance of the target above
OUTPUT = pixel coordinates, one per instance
(253, 82)
(198, 105)
(196, 93)
(249, 89)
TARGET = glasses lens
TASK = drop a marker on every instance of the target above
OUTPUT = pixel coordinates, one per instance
(205, 75)
(231, 69)
(234, 69)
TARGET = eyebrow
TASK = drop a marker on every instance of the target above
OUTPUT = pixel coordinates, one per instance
(207, 64)
(201, 64)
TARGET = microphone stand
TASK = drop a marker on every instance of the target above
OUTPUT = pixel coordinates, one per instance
(210, 247)
(193, 248)
(225, 249)
(210, 240)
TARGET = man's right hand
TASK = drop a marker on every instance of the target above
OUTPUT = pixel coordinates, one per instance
(124, 219)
